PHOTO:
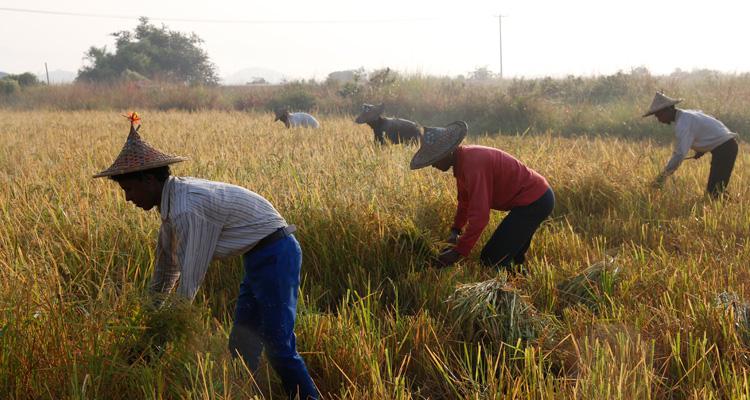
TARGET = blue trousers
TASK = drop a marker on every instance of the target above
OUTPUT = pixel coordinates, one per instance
(509, 243)
(265, 315)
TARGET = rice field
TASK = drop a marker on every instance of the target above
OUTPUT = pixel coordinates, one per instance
(631, 292)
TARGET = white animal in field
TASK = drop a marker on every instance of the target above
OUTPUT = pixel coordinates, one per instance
(296, 119)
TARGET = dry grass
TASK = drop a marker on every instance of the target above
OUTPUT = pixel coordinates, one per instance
(373, 321)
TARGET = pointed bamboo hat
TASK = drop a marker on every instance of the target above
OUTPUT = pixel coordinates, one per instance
(137, 155)
(370, 113)
(437, 143)
(660, 102)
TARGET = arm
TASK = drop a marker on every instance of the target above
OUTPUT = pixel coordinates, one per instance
(681, 150)
(196, 241)
(477, 212)
(167, 269)
(461, 210)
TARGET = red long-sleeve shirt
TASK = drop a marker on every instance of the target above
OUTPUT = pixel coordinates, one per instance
(488, 178)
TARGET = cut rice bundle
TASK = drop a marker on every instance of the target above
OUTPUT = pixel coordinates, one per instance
(492, 310)
(592, 287)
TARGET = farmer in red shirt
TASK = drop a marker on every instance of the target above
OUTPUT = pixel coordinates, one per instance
(487, 179)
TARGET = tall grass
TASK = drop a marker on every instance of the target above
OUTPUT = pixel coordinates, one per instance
(374, 321)
(610, 104)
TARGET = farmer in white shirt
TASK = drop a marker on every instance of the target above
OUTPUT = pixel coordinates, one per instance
(296, 119)
(702, 133)
(203, 220)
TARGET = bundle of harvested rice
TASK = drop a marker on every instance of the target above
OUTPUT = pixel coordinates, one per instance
(493, 311)
(740, 311)
(175, 320)
(592, 286)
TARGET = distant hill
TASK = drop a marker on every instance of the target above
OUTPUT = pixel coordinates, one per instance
(248, 75)
(3, 74)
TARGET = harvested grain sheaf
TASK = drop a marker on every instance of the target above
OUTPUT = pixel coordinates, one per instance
(592, 287)
(740, 312)
(494, 311)
(175, 321)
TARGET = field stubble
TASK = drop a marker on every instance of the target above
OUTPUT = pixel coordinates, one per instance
(374, 322)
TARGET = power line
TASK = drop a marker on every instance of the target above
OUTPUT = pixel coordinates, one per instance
(223, 21)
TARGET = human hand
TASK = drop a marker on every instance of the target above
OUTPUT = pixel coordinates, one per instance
(658, 182)
(453, 238)
(446, 258)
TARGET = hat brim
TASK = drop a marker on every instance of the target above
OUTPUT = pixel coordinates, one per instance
(144, 167)
(425, 157)
(666, 105)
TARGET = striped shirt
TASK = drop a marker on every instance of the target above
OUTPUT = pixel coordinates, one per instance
(304, 120)
(204, 220)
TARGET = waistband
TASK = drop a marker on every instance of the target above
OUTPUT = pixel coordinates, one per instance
(731, 142)
(273, 236)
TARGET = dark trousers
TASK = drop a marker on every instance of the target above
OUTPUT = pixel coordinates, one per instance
(722, 164)
(265, 315)
(512, 238)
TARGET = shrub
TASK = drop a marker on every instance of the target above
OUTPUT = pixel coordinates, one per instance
(9, 86)
(296, 98)
(24, 79)
(131, 76)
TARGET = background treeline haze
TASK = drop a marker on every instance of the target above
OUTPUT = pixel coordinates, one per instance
(605, 105)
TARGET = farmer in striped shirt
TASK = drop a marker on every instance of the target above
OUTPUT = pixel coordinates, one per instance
(203, 220)
(487, 179)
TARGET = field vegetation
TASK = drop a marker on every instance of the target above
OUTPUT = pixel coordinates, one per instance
(630, 292)
(572, 106)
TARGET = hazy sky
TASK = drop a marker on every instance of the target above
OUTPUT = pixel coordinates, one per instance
(540, 37)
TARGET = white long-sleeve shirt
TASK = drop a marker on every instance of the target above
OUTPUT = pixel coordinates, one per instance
(304, 120)
(696, 130)
(203, 220)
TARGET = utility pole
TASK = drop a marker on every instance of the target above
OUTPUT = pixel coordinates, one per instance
(500, 31)
(47, 71)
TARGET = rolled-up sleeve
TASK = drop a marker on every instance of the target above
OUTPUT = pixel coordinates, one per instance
(196, 241)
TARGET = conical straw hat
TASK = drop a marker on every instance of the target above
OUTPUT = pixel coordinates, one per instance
(660, 102)
(370, 113)
(437, 143)
(137, 155)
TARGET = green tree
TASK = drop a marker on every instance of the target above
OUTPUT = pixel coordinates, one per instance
(24, 79)
(481, 74)
(154, 52)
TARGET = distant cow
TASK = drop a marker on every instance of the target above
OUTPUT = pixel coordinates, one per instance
(396, 129)
(297, 119)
